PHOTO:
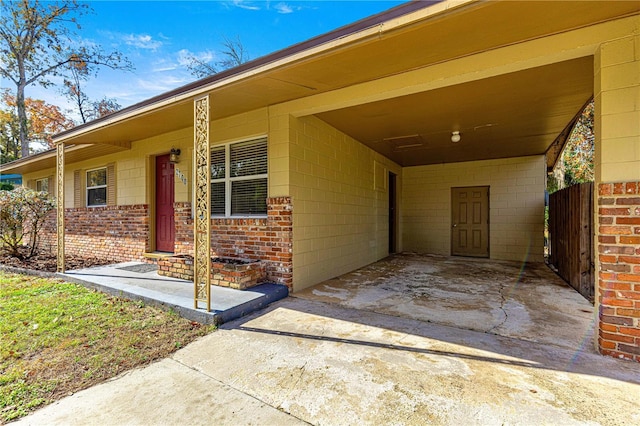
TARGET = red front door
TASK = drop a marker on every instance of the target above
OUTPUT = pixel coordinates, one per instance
(165, 227)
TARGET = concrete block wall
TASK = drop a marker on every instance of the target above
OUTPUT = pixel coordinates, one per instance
(280, 133)
(516, 204)
(248, 125)
(133, 168)
(617, 110)
(340, 197)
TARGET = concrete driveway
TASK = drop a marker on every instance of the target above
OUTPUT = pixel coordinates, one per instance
(304, 360)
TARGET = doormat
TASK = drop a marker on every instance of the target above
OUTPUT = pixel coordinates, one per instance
(142, 268)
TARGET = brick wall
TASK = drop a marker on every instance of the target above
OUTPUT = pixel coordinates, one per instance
(117, 233)
(240, 276)
(268, 239)
(120, 233)
(619, 273)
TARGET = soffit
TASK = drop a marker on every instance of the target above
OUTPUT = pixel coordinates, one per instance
(516, 114)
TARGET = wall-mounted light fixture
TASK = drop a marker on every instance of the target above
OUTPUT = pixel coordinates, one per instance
(174, 156)
(455, 137)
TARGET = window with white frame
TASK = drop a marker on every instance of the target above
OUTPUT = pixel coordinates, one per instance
(42, 185)
(239, 179)
(97, 187)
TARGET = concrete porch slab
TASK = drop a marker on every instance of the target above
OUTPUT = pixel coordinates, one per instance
(134, 280)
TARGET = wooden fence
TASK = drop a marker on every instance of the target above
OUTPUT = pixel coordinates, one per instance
(570, 232)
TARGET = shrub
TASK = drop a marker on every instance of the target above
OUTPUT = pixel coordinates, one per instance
(22, 215)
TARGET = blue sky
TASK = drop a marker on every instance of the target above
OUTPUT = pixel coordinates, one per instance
(156, 36)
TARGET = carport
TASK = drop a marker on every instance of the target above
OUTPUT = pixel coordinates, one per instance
(476, 120)
(481, 226)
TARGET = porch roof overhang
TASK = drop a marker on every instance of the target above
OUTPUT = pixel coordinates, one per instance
(515, 112)
(74, 153)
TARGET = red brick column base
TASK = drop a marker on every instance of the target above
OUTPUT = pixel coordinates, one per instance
(619, 277)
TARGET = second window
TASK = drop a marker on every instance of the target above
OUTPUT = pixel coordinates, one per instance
(239, 179)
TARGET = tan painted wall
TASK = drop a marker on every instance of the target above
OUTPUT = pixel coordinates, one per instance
(280, 133)
(516, 205)
(134, 167)
(340, 202)
(617, 109)
(248, 125)
(30, 178)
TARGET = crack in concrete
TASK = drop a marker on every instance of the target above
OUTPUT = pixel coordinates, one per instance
(238, 389)
(503, 301)
(302, 370)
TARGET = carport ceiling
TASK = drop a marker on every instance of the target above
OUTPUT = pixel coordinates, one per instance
(511, 115)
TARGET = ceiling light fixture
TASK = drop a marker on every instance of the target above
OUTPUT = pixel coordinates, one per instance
(455, 136)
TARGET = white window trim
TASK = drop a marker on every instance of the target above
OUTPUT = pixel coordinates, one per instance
(228, 179)
(43, 180)
(86, 177)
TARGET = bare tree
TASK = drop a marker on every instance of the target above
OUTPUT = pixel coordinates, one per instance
(234, 54)
(86, 108)
(73, 91)
(37, 43)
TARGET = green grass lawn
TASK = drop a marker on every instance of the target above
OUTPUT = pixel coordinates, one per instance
(58, 338)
